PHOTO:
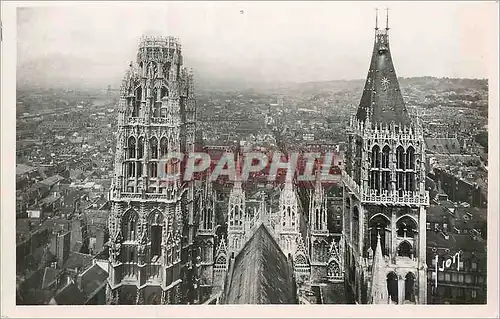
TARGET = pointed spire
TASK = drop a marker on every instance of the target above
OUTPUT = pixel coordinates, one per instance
(387, 18)
(222, 248)
(300, 246)
(237, 173)
(382, 100)
(289, 176)
(376, 18)
(334, 251)
(378, 293)
(318, 189)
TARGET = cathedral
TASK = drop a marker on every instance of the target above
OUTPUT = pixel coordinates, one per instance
(185, 242)
(384, 191)
(269, 244)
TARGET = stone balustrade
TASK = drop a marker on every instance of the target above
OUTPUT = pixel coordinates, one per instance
(371, 196)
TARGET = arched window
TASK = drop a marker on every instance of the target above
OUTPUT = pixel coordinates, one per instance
(231, 216)
(333, 271)
(400, 164)
(140, 148)
(131, 169)
(374, 181)
(375, 158)
(210, 250)
(410, 158)
(154, 95)
(141, 69)
(155, 221)
(392, 286)
(380, 225)
(385, 156)
(153, 170)
(163, 147)
(405, 249)
(355, 225)
(166, 69)
(406, 227)
(400, 158)
(317, 219)
(155, 104)
(209, 219)
(131, 147)
(153, 145)
(129, 225)
(410, 287)
(410, 181)
(358, 159)
(139, 169)
(152, 70)
(137, 104)
(386, 179)
(163, 92)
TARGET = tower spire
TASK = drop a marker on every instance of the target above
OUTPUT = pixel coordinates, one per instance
(382, 101)
(378, 293)
(387, 18)
(376, 18)
(237, 172)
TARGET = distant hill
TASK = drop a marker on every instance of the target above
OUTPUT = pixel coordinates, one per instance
(65, 71)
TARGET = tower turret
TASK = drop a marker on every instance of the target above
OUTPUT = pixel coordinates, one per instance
(236, 213)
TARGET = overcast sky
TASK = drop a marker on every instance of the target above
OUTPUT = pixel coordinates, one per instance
(271, 41)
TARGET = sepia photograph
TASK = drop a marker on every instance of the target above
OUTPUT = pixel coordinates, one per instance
(250, 153)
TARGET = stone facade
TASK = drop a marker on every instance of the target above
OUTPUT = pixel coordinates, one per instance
(151, 221)
(384, 192)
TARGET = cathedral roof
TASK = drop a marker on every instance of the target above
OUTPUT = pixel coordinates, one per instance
(382, 101)
(261, 274)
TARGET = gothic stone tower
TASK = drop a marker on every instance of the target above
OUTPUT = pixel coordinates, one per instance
(319, 232)
(384, 193)
(236, 215)
(288, 227)
(149, 224)
(206, 234)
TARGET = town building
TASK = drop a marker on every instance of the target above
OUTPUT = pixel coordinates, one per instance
(456, 230)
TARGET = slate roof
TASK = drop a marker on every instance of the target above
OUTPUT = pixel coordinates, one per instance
(78, 260)
(75, 174)
(93, 280)
(381, 98)
(23, 169)
(455, 242)
(52, 180)
(436, 213)
(442, 145)
(70, 295)
(50, 276)
(35, 297)
(261, 273)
